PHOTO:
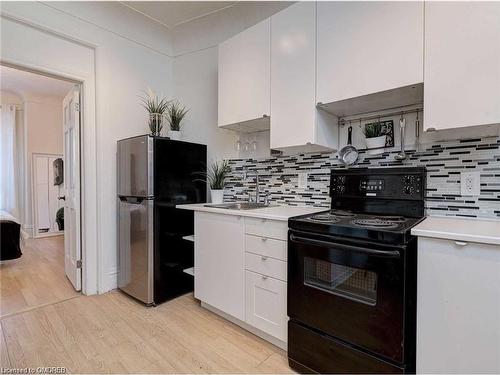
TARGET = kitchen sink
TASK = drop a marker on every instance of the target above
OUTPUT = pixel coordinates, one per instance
(239, 205)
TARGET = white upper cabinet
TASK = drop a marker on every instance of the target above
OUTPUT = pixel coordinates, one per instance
(462, 64)
(295, 122)
(365, 47)
(244, 79)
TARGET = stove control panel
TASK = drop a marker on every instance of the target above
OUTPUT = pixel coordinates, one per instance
(406, 183)
(372, 185)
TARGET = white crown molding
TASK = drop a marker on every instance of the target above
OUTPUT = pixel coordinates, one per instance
(124, 3)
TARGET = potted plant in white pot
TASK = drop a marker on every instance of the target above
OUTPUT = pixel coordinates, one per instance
(375, 138)
(175, 114)
(156, 108)
(216, 176)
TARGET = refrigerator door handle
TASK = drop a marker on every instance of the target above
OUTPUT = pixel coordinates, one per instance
(132, 200)
(151, 233)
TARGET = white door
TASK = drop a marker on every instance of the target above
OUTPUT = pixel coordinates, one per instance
(46, 196)
(72, 249)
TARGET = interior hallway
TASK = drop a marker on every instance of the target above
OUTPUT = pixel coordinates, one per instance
(112, 333)
(35, 279)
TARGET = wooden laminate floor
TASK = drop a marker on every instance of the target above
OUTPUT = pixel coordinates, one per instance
(35, 279)
(112, 333)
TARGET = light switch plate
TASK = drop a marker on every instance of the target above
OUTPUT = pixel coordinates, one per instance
(470, 183)
(303, 180)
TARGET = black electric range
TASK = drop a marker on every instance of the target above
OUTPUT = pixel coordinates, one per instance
(352, 275)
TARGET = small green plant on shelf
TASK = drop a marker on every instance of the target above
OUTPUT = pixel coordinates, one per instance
(373, 130)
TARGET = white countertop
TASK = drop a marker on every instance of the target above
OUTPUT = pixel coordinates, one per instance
(282, 213)
(460, 229)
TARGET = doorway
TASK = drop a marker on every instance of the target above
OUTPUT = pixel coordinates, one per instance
(46, 189)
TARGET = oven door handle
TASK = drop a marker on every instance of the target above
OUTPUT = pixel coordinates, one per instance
(381, 253)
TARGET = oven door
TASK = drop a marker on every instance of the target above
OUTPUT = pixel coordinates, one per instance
(353, 291)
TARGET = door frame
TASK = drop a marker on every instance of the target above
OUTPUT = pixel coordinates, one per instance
(91, 278)
(34, 206)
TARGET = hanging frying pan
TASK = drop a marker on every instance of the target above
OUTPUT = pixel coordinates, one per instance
(349, 153)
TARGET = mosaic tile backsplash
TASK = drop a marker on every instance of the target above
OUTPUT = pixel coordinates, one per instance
(444, 162)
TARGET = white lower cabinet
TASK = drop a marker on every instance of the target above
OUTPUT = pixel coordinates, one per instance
(266, 304)
(219, 262)
(458, 307)
(240, 269)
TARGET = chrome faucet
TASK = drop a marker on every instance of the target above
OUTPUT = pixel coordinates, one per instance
(257, 189)
(257, 192)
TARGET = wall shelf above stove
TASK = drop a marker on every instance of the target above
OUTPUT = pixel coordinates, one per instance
(380, 101)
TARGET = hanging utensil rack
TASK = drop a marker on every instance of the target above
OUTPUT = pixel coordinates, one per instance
(343, 121)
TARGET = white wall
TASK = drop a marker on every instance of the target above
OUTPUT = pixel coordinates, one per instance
(116, 66)
(44, 124)
(195, 82)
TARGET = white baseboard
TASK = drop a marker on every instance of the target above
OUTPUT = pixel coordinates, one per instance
(27, 230)
(49, 234)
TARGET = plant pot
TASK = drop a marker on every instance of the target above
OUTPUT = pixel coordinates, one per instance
(174, 134)
(375, 145)
(217, 195)
(155, 124)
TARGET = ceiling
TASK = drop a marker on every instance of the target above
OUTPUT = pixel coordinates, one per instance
(21, 82)
(174, 13)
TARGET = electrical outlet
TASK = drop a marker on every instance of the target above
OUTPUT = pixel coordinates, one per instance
(470, 183)
(303, 180)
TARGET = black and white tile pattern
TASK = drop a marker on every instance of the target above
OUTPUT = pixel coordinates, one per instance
(444, 162)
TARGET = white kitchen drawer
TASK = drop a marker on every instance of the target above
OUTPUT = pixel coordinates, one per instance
(266, 246)
(265, 306)
(266, 228)
(266, 266)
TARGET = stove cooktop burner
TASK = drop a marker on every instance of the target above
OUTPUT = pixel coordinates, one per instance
(380, 223)
(342, 214)
(392, 219)
(325, 218)
(332, 217)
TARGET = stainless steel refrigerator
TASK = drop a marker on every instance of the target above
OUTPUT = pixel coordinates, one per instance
(154, 174)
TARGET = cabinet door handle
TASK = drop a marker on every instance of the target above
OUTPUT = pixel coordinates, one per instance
(461, 243)
(264, 239)
(263, 258)
(264, 277)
